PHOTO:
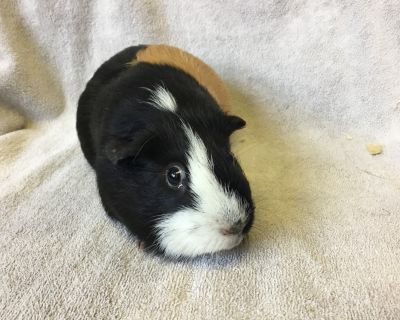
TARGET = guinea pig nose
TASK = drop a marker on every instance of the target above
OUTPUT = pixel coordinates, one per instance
(227, 231)
(236, 228)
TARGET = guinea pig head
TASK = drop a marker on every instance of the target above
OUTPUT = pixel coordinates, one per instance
(178, 187)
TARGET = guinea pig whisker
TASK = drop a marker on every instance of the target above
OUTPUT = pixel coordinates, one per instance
(257, 229)
(256, 233)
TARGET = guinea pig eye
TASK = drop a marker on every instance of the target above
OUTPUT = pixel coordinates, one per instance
(175, 176)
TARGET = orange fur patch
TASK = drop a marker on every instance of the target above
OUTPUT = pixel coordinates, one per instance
(207, 77)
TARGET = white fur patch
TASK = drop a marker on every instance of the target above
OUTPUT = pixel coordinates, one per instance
(162, 99)
(194, 231)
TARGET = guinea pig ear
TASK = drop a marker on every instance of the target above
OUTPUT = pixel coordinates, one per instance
(234, 123)
(118, 149)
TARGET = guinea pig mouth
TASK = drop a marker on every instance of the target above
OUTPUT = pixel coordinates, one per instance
(189, 242)
(236, 241)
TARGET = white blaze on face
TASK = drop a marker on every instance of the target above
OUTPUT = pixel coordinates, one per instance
(162, 99)
(193, 231)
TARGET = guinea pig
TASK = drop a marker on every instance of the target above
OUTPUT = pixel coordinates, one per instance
(153, 122)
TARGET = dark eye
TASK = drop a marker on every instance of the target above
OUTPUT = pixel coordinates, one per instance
(175, 176)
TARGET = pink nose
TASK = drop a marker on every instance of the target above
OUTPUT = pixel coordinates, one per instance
(227, 232)
(236, 228)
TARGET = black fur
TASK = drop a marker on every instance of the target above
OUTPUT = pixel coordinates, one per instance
(130, 144)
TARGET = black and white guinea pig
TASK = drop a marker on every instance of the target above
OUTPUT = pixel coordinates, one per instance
(153, 124)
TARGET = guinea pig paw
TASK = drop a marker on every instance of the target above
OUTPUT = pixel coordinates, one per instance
(141, 245)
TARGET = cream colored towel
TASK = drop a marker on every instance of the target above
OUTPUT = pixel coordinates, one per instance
(316, 82)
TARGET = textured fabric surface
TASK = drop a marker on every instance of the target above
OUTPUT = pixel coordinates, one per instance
(315, 80)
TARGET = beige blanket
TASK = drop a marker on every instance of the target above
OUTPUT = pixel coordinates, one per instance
(316, 81)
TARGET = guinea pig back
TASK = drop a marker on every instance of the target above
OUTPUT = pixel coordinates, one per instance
(153, 124)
